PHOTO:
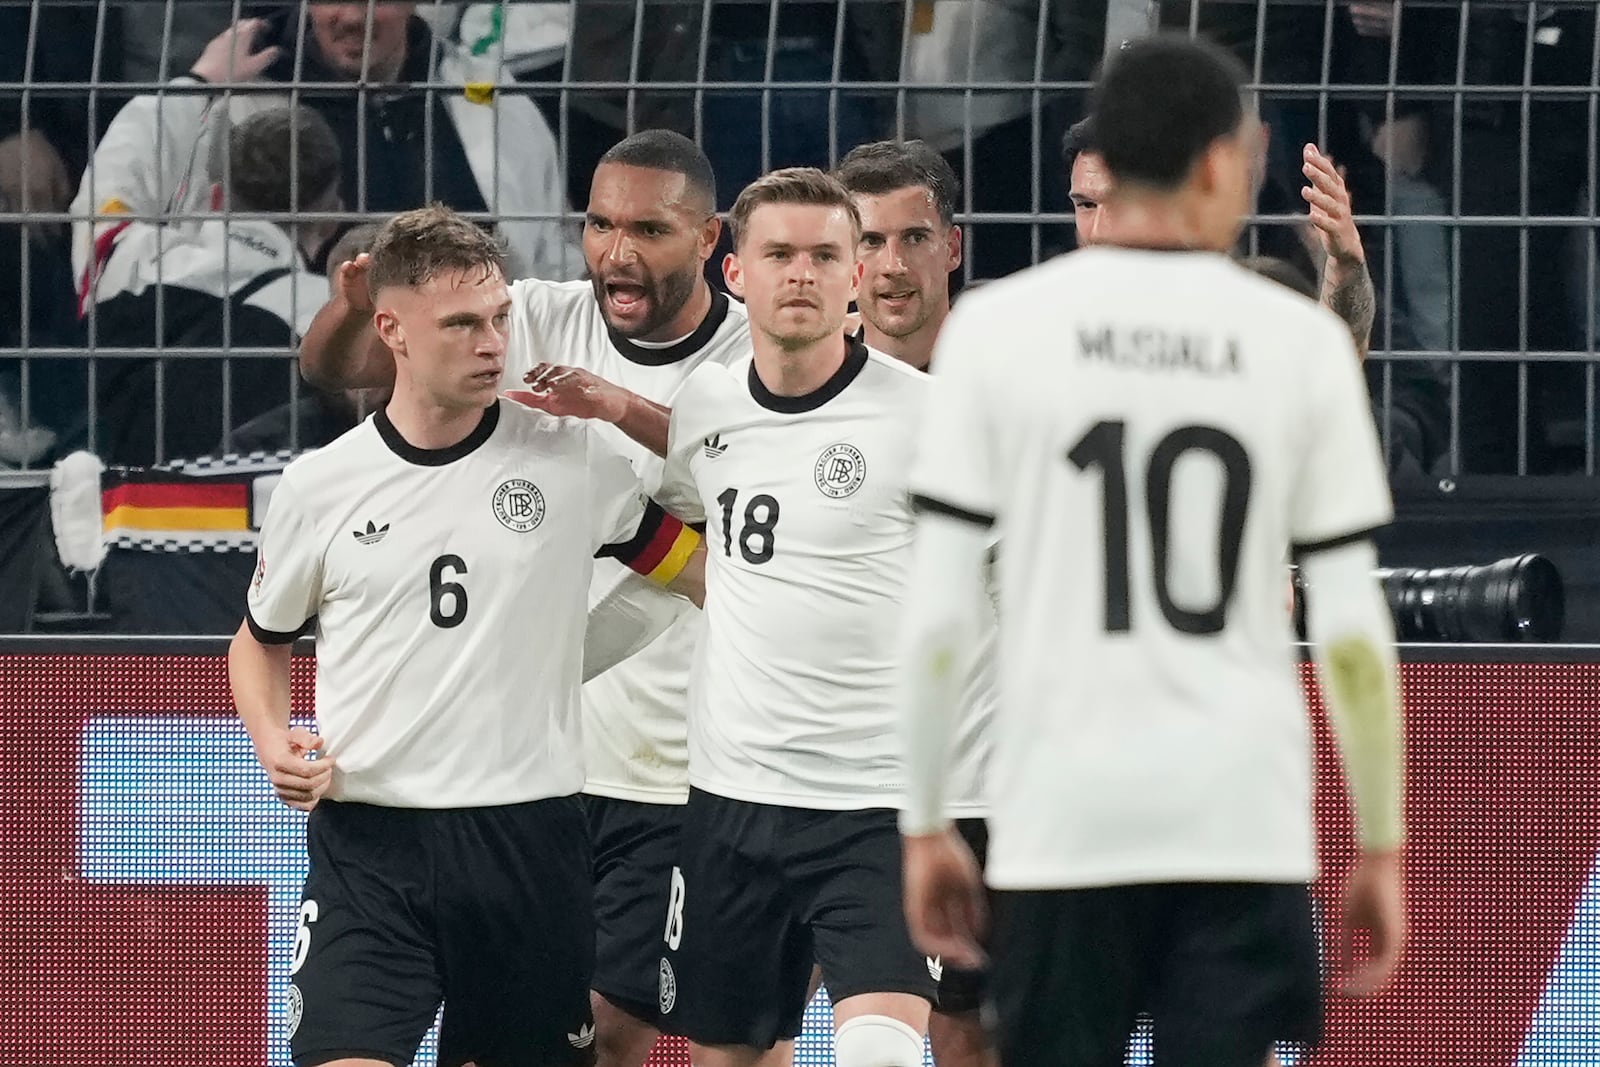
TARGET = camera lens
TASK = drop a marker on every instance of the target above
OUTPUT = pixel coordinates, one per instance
(1513, 600)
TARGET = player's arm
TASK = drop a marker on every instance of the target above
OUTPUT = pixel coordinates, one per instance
(574, 391)
(1353, 641)
(341, 348)
(258, 673)
(1346, 283)
(633, 613)
(1341, 497)
(665, 551)
(279, 606)
(944, 902)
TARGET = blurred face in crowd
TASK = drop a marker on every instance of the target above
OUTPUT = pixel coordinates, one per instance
(340, 33)
(795, 267)
(907, 254)
(646, 237)
(1091, 186)
(448, 336)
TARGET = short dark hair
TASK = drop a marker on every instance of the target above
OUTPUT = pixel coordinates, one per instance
(791, 185)
(264, 147)
(1283, 272)
(1161, 104)
(416, 246)
(885, 166)
(1081, 137)
(670, 152)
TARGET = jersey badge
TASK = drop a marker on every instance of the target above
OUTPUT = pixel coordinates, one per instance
(840, 470)
(519, 505)
(668, 988)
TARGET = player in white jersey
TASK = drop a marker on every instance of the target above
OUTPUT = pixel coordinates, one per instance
(1346, 283)
(906, 194)
(797, 460)
(1148, 450)
(644, 319)
(447, 536)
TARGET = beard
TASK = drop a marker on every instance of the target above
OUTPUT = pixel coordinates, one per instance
(664, 296)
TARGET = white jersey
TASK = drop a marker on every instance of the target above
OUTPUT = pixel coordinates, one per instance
(808, 536)
(1151, 431)
(634, 729)
(428, 571)
(965, 796)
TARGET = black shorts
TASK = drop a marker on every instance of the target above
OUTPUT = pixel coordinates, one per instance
(962, 990)
(489, 910)
(635, 848)
(1224, 969)
(761, 892)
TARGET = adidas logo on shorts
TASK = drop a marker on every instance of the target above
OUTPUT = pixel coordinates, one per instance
(935, 968)
(583, 1038)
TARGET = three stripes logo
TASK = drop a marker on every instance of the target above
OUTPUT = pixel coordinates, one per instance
(373, 534)
(714, 446)
(583, 1038)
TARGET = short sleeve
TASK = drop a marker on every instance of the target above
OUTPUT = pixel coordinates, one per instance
(286, 591)
(1341, 492)
(617, 502)
(678, 492)
(630, 527)
(954, 469)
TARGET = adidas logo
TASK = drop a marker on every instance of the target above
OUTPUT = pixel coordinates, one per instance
(935, 968)
(583, 1038)
(372, 536)
(714, 446)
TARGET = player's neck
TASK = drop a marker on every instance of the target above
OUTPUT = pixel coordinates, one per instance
(688, 318)
(797, 371)
(427, 424)
(1157, 222)
(916, 348)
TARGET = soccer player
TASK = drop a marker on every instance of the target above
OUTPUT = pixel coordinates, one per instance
(906, 194)
(1346, 283)
(1149, 450)
(644, 319)
(797, 460)
(447, 536)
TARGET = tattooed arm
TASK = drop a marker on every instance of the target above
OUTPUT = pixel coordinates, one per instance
(1346, 284)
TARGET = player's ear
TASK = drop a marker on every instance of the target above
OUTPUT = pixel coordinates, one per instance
(710, 231)
(733, 274)
(389, 330)
(857, 272)
(953, 243)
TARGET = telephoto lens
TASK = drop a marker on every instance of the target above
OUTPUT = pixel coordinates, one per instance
(1513, 600)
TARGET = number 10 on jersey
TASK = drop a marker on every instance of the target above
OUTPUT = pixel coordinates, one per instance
(1104, 447)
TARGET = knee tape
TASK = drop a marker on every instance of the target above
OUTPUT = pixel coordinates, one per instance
(877, 1041)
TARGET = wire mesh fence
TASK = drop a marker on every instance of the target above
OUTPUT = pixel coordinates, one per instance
(129, 245)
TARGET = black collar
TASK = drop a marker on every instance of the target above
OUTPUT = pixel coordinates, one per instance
(436, 457)
(855, 358)
(660, 357)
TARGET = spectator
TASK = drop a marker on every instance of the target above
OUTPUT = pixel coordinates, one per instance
(44, 141)
(161, 41)
(221, 282)
(1020, 41)
(320, 415)
(406, 148)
